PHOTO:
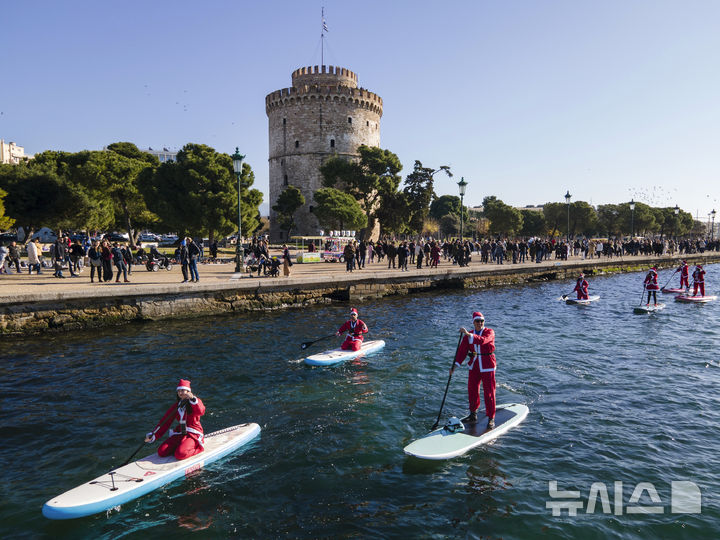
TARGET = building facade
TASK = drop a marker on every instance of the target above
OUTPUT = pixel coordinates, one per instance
(323, 114)
(12, 153)
(163, 155)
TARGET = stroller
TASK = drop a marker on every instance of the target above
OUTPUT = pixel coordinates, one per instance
(154, 265)
(274, 267)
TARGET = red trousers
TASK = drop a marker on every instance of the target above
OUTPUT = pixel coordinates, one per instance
(702, 288)
(351, 345)
(487, 378)
(684, 281)
(183, 446)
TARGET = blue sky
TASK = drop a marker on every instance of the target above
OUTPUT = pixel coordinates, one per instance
(611, 100)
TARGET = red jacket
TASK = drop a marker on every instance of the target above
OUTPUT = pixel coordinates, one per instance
(478, 345)
(581, 286)
(651, 283)
(684, 270)
(355, 330)
(699, 275)
(190, 417)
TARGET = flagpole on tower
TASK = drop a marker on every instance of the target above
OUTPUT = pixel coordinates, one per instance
(323, 29)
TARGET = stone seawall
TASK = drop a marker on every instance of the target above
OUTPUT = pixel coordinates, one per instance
(57, 312)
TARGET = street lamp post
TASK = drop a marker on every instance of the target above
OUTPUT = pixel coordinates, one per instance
(677, 211)
(712, 229)
(237, 159)
(462, 184)
(632, 218)
(567, 201)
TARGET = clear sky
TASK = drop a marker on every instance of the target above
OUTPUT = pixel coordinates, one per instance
(611, 99)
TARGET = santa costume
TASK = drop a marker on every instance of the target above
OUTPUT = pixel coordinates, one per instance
(355, 329)
(699, 280)
(480, 348)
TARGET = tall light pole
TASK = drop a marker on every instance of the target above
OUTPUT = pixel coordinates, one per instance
(567, 201)
(237, 159)
(677, 211)
(462, 184)
(632, 218)
(712, 229)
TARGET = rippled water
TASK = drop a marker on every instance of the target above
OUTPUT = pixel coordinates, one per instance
(613, 397)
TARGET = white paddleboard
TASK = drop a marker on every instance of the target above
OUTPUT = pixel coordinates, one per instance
(689, 299)
(335, 356)
(443, 444)
(582, 302)
(144, 475)
(652, 308)
(672, 290)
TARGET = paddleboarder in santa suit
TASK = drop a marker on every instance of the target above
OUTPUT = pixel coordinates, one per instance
(581, 287)
(684, 275)
(187, 438)
(355, 329)
(479, 346)
(651, 285)
(698, 280)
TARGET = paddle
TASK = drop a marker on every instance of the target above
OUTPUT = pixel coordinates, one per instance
(643, 294)
(668, 282)
(305, 344)
(164, 418)
(446, 387)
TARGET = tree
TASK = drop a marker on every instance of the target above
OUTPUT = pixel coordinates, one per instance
(533, 223)
(420, 192)
(583, 218)
(198, 193)
(372, 177)
(338, 210)
(609, 219)
(394, 213)
(555, 217)
(504, 219)
(287, 204)
(5, 221)
(129, 150)
(445, 205)
(450, 225)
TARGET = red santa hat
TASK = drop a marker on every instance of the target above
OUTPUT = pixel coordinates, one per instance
(582, 275)
(698, 265)
(183, 385)
(353, 310)
(477, 316)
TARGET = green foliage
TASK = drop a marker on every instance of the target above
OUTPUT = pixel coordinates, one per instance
(446, 205)
(419, 193)
(394, 213)
(504, 219)
(129, 150)
(368, 180)
(338, 210)
(5, 221)
(287, 204)
(450, 225)
(583, 219)
(198, 193)
(609, 221)
(533, 223)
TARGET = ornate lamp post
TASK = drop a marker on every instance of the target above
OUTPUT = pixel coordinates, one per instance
(712, 229)
(567, 202)
(462, 184)
(632, 218)
(237, 159)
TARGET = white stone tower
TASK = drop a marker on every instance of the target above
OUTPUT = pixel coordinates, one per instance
(324, 113)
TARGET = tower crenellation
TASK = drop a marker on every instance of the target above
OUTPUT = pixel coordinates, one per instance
(323, 113)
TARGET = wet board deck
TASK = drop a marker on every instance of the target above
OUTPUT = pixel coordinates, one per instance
(673, 291)
(648, 309)
(689, 299)
(335, 356)
(585, 302)
(443, 444)
(143, 476)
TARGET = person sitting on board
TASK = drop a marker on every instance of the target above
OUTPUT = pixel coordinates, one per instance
(479, 345)
(684, 275)
(699, 280)
(581, 286)
(355, 329)
(187, 439)
(651, 285)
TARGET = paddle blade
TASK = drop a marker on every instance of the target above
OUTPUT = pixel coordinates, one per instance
(305, 345)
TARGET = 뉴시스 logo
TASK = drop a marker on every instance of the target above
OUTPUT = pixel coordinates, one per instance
(685, 498)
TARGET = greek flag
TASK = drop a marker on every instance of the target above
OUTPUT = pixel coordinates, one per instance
(325, 28)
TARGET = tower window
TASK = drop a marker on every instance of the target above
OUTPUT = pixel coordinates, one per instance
(297, 144)
(311, 209)
(349, 120)
(367, 123)
(285, 180)
(332, 143)
(284, 121)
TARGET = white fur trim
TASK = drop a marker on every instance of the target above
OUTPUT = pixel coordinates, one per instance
(183, 388)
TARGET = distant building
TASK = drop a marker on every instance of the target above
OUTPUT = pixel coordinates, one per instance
(163, 155)
(12, 153)
(538, 208)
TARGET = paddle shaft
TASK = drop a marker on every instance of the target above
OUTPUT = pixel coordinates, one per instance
(171, 411)
(306, 344)
(442, 405)
(643, 294)
(668, 282)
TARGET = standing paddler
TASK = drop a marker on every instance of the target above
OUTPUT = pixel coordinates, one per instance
(651, 285)
(187, 438)
(355, 329)
(581, 287)
(684, 275)
(698, 280)
(479, 345)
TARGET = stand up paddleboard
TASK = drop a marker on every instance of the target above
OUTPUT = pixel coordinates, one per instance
(648, 309)
(445, 444)
(584, 302)
(144, 475)
(335, 356)
(673, 291)
(689, 299)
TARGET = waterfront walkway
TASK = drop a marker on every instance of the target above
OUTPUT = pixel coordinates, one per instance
(15, 288)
